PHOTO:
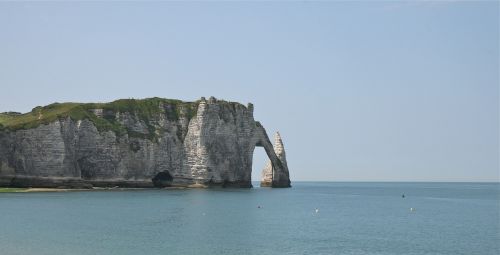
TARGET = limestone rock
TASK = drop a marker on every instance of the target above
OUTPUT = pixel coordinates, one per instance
(280, 177)
(168, 143)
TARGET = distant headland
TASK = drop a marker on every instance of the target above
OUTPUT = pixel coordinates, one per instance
(153, 142)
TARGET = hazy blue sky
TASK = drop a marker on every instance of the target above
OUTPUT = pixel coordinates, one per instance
(363, 91)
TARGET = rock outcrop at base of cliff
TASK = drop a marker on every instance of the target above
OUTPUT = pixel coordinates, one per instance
(135, 143)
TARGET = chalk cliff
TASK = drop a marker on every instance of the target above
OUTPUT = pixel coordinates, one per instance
(269, 173)
(136, 143)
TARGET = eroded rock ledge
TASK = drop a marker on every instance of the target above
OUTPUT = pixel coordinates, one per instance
(152, 142)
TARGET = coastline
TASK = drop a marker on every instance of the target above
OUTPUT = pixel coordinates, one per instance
(27, 190)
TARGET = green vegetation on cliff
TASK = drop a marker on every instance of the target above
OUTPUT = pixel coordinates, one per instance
(10, 190)
(103, 115)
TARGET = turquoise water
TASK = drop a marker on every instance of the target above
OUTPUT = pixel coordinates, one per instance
(353, 218)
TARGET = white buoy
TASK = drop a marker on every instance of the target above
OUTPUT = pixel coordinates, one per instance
(412, 209)
(317, 210)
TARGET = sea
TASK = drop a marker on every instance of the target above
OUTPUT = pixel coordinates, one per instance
(309, 218)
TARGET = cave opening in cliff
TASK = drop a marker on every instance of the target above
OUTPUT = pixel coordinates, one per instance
(163, 179)
(259, 161)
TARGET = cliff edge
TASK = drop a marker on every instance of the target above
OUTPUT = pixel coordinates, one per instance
(152, 142)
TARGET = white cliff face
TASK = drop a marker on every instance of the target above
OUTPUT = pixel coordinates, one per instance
(267, 172)
(213, 147)
(279, 149)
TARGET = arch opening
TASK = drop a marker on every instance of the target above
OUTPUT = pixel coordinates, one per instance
(259, 160)
(275, 173)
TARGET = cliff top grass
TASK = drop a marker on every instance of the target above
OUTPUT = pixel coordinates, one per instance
(145, 109)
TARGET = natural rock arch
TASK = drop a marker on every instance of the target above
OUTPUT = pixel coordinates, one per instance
(275, 174)
(152, 142)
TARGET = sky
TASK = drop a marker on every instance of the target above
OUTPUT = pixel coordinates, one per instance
(359, 91)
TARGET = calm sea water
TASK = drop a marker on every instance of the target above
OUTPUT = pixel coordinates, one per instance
(353, 218)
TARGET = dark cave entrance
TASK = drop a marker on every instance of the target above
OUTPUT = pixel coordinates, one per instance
(162, 179)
